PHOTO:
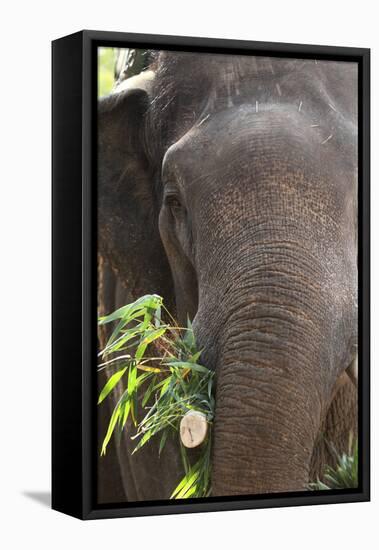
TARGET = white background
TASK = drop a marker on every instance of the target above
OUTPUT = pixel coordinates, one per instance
(27, 29)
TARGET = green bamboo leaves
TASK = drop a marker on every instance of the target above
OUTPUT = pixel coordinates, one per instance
(113, 380)
(159, 389)
(344, 475)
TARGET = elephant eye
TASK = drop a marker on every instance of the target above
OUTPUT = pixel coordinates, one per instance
(173, 202)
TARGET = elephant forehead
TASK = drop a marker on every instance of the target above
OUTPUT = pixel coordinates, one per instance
(264, 162)
(240, 141)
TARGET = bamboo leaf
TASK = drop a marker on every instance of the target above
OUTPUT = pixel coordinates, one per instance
(195, 357)
(165, 386)
(148, 339)
(186, 484)
(132, 378)
(187, 365)
(111, 383)
(141, 350)
(148, 369)
(121, 341)
(124, 413)
(189, 493)
(183, 452)
(151, 301)
(111, 427)
(149, 391)
(133, 407)
(162, 442)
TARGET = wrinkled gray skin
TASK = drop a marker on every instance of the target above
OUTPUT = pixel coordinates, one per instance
(231, 183)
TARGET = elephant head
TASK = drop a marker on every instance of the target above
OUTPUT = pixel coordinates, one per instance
(230, 183)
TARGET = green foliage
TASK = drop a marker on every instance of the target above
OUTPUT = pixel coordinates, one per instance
(172, 383)
(344, 475)
(106, 63)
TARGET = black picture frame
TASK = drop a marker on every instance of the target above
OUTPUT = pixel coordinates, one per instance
(74, 74)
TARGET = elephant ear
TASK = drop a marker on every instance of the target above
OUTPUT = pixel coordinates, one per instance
(131, 263)
(128, 206)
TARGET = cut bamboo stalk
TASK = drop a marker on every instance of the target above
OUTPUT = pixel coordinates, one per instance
(193, 429)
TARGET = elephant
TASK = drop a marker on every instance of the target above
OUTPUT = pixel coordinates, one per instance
(228, 185)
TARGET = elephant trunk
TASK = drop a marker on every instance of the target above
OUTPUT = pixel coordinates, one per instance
(270, 383)
(268, 413)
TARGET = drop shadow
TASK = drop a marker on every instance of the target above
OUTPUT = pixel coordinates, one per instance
(41, 497)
